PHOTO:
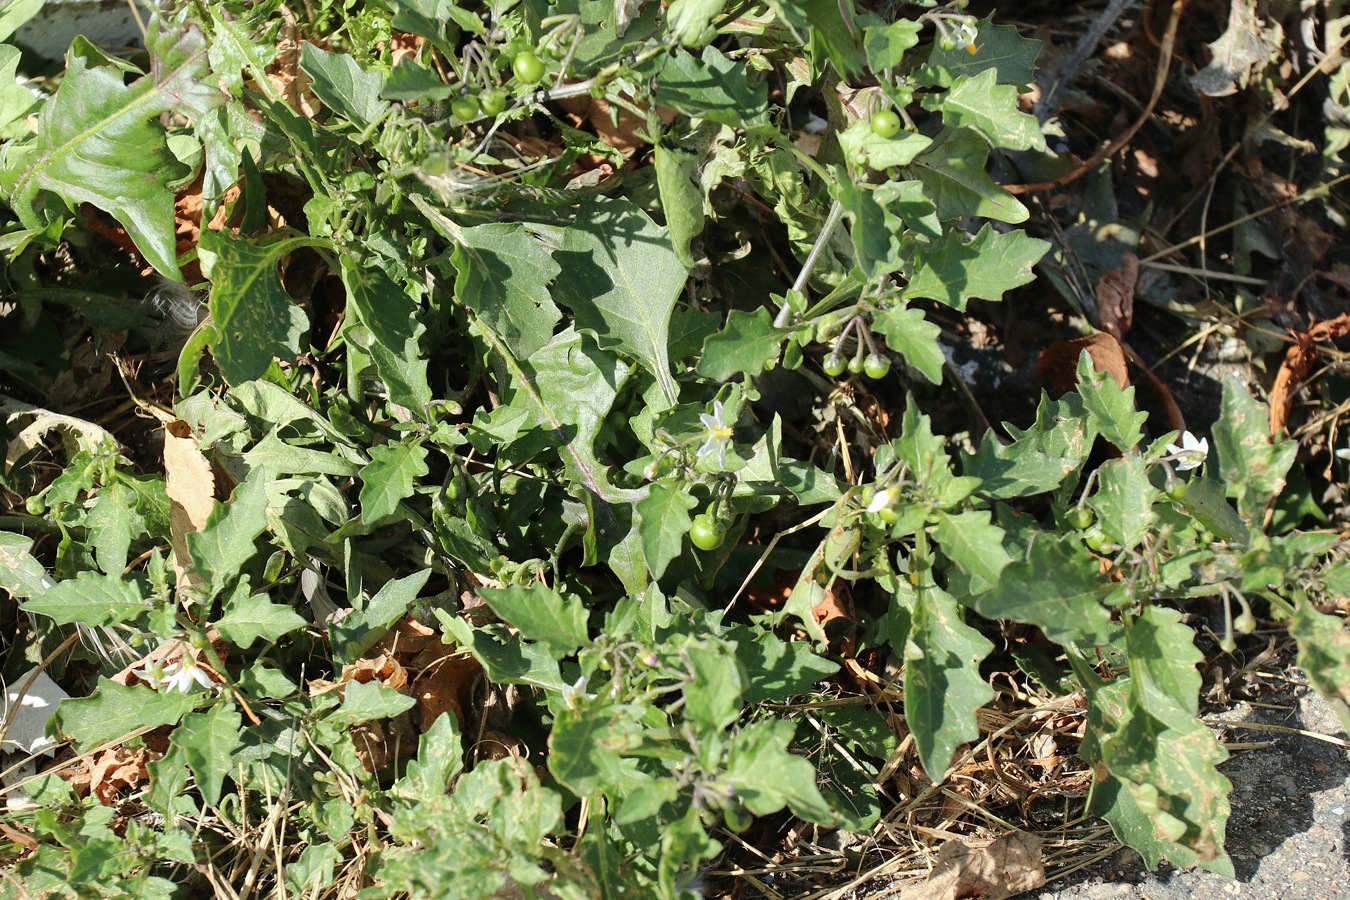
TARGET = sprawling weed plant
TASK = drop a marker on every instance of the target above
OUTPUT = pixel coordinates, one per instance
(454, 569)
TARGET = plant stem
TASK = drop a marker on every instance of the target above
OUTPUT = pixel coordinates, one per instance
(826, 232)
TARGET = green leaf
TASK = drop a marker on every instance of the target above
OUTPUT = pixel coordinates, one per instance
(250, 617)
(504, 273)
(338, 80)
(91, 599)
(713, 696)
(991, 109)
(382, 321)
(208, 740)
(876, 231)
(225, 544)
(907, 332)
(113, 521)
(281, 458)
(1251, 465)
(1110, 405)
(777, 669)
(370, 700)
(367, 623)
(1111, 797)
(541, 614)
(828, 29)
(440, 757)
(1205, 501)
(1161, 646)
(587, 745)
(16, 100)
(389, 477)
(748, 344)
(681, 196)
(691, 21)
(924, 452)
(1124, 499)
(663, 521)
(1058, 588)
(21, 574)
(886, 44)
(253, 319)
(768, 777)
(1020, 469)
(100, 141)
(998, 47)
(907, 200)
(943, 686)
(974, 543)
(1324, 653)
(435, 20)
(621, 277)
(411, 81)
(15, 14)
(507, 658)
(115, 710)
(952, 270)
(1161, 749)
(712, 87)
(864, 147)
(953, 176)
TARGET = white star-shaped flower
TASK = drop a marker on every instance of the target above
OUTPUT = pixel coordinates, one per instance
(152, 673)
(182, 675)
(572, 694)
(718, 434)
(880, 500)
(1191, 453)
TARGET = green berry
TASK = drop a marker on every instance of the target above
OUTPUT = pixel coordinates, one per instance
(855, 365)
(889, 514)
(1079, 518)
(1095, 538)
(465, 108)
(35, 505)
(706, 533)
(1177, 489)
(528, 67)
(885, 123)
(493, 101)
(834, 365)
(876, 366)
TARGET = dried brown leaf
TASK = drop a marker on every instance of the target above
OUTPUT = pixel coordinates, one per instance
(1007, 867)
(1115, 297)
(1058, 366)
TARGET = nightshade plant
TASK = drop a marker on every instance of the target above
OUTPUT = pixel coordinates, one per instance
(474, 368)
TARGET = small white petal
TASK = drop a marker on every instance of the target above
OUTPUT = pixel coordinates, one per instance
(1343, 453)
(880, 501)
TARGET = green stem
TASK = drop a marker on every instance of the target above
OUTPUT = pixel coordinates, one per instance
(826, 232)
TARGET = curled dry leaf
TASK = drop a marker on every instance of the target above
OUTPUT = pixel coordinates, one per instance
(1058, 366)
(191, 487)
(445, 683)
(1115, 297)
(1007, 867)
(382, 668)
(1298, 362)
(407, 638)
